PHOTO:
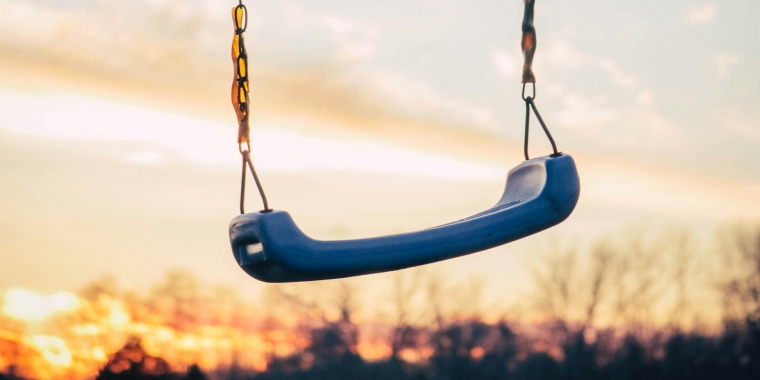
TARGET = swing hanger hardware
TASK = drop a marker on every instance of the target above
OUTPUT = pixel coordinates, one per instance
(529, 97)
(528, 45)
(248, 163)
(269, 246)
(240, 29)
(241, 101)
(531, 104)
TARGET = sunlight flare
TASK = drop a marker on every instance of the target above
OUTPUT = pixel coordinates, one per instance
(28, 306)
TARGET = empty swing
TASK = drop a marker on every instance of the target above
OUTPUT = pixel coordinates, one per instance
(539, 193)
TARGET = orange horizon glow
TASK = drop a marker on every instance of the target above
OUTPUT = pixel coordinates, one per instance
(209, 346)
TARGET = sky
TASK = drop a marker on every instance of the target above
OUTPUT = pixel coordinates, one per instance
(117, 140)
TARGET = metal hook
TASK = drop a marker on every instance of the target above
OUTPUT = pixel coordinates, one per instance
(534, 92)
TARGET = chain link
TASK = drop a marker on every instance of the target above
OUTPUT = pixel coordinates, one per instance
(240, 87)
(528, 42)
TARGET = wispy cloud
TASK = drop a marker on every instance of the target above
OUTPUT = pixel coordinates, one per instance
(203, 141)
(144, 157)
(563, 55)
(419, 100)
(701, 14)
(581, 112)
(353, 42)
(645, 97)
(367, 68)
(724, 63)
(629, 128)
(504, 63)
(747, 129)
(743, 123)
(165, 43)
(617, 74)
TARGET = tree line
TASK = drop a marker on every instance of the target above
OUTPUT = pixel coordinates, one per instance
(636, 307)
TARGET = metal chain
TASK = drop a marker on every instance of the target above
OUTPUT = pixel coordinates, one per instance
(241, 101)
(240, 86)
(528, 45)
(528, 42)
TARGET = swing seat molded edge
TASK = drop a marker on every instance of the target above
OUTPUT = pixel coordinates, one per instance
(540, 193)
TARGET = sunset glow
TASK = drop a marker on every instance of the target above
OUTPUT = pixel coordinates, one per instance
(53, 349)
(28, 306)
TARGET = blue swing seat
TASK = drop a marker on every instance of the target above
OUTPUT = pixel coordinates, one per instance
(540, 193)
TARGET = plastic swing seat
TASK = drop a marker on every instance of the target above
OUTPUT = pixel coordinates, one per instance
(539, 193)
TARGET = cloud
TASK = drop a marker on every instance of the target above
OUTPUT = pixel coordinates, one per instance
(419, 100)
(144, 158)
(747, 129)
(504, 63)
(701, 14)
(742, 123)
(564, 56)
(645, 97)
(644, 131)
(634, 129)
(147, 45)
(658, 133)
(724, 62)
(78, 118)
(581, 112)
(616, 73)
(353, 42)
(610, 121)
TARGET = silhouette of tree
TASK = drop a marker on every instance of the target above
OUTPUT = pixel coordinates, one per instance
(333, 344)
(406, 286)
(741, 297)
(601, 307)
(14, 354)
(132, 363)
(580, 358)
(195, 373)
(473, 349)
(538, 366)
(178, 297)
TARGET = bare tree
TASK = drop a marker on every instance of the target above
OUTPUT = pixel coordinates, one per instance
(13, 355)
(105, 286)
(556, 285)
(602, 262)
(407, 295)
(324, 300)
(325, 315)
(636, 283)
(741, 283)
(435, 289)
(682, 264)
(178, 297)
